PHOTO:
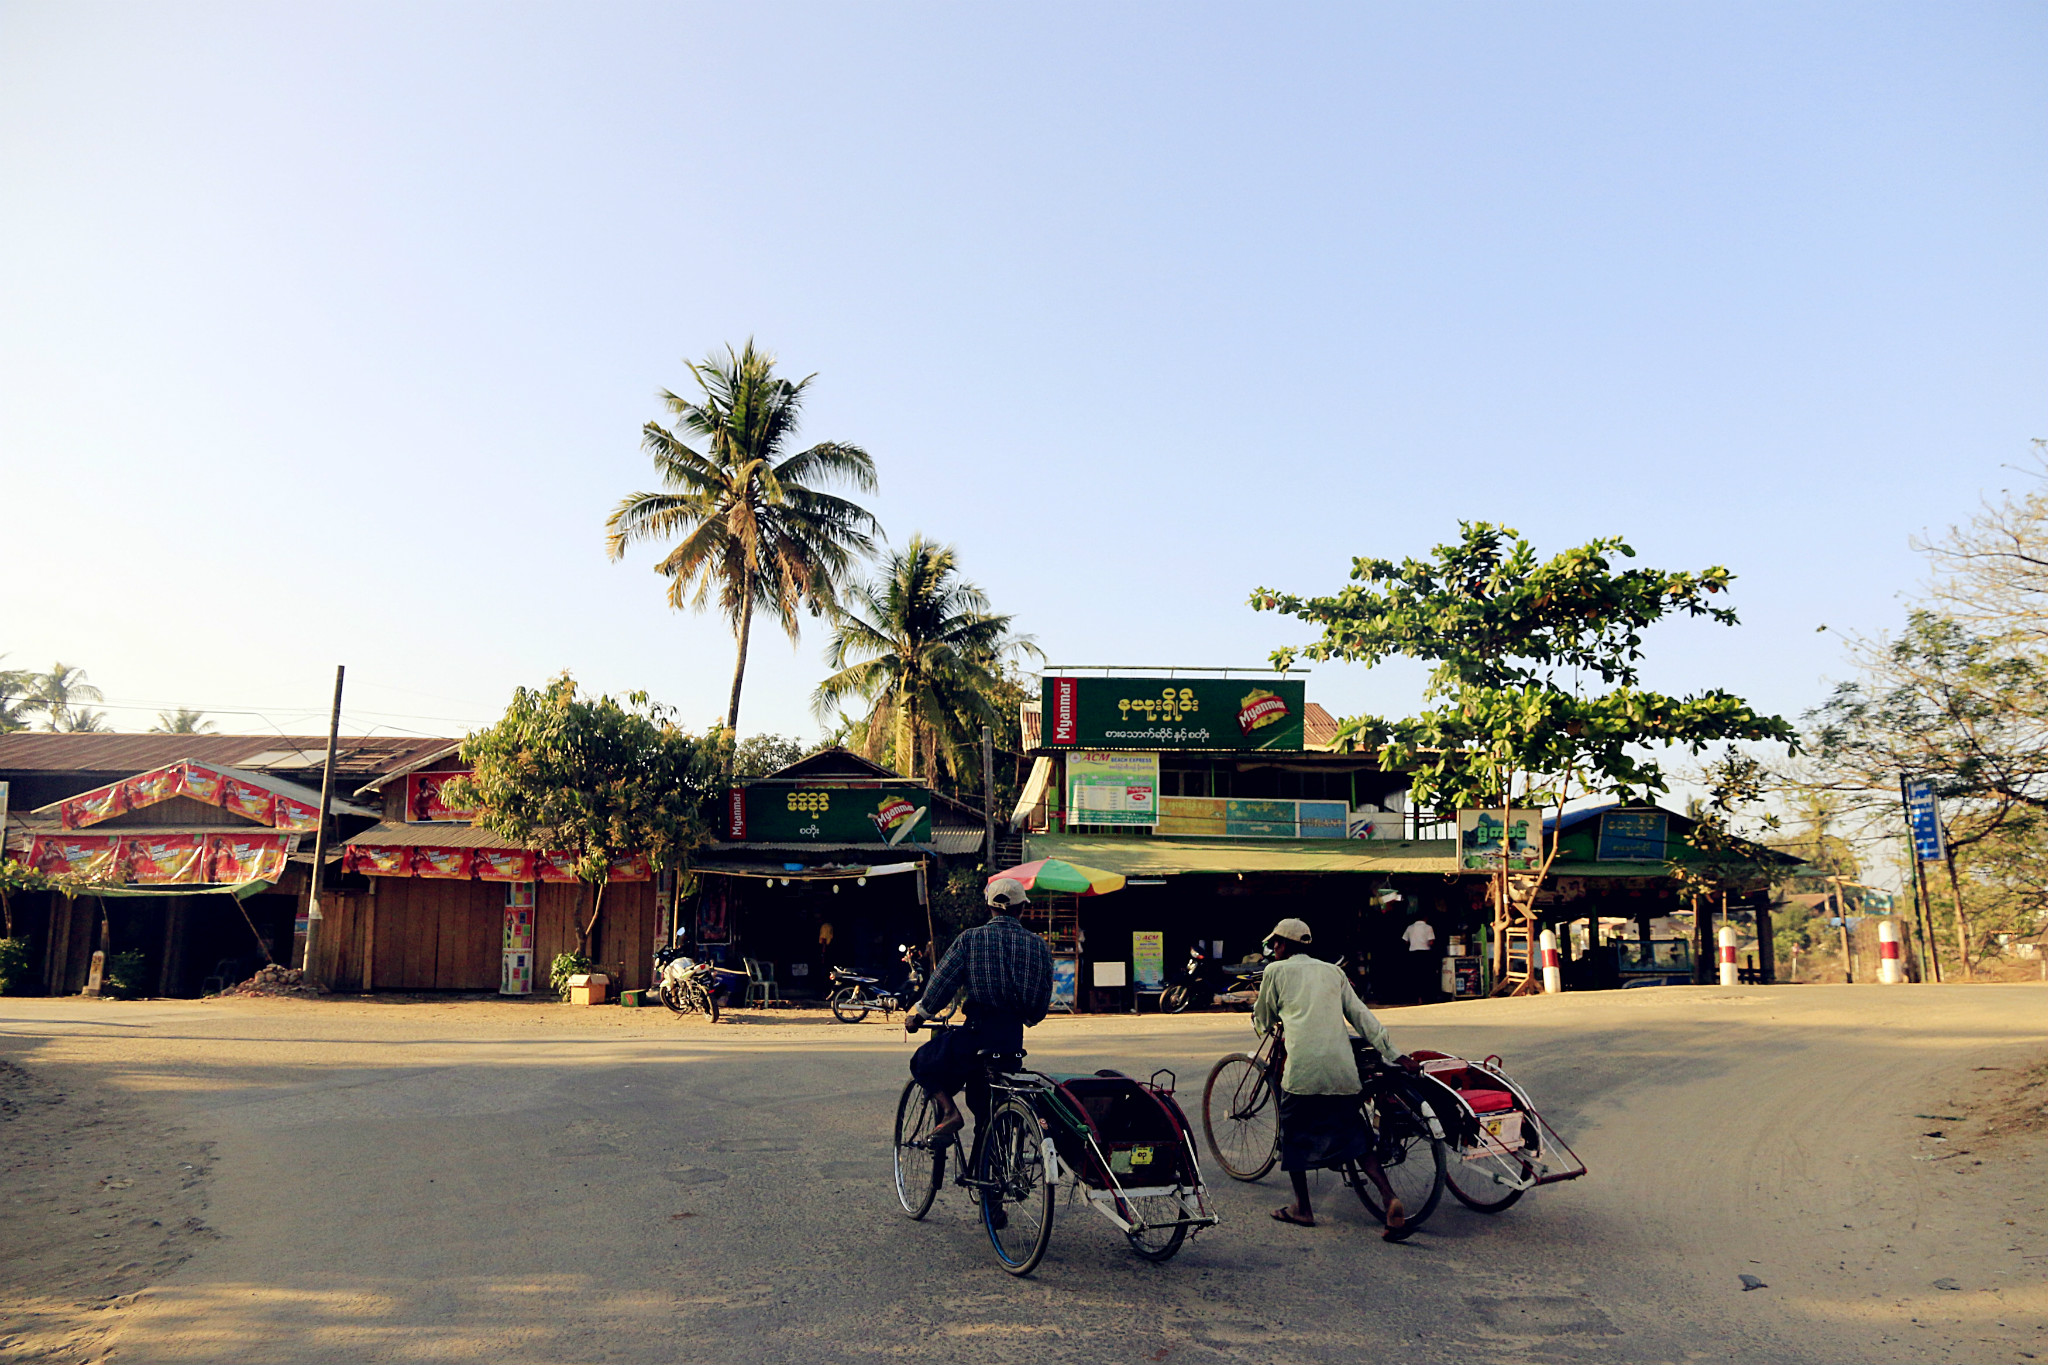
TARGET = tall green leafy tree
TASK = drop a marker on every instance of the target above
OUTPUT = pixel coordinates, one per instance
(1534, 692)
(601, 776)
(749, 518)
(920, 646)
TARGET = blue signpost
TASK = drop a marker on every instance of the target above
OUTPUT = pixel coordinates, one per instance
(1923, 824)
(1924, 818)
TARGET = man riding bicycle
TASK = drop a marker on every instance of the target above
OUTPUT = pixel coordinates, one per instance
(1321, 1124)
(1006, 971)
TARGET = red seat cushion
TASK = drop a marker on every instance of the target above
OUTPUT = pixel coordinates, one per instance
(1487, 1101)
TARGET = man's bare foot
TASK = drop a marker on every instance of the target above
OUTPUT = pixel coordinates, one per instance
(1287, 1213)
(1397, 1220)
(947, 1126)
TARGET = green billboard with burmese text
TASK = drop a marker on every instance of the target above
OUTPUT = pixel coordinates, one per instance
(1178, 713)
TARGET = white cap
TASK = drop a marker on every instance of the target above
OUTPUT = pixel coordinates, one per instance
(1006, 892)
(1292, 930)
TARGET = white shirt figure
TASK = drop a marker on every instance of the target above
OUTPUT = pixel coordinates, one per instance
(1419, 936)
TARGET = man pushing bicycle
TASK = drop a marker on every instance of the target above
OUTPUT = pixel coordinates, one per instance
(1321, 1123)
(1006, 972)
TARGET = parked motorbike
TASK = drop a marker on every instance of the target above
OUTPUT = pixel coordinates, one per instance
(1200, 984)
(854, 995)
(686, 985)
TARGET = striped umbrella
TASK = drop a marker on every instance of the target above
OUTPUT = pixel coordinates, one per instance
(1055, 876)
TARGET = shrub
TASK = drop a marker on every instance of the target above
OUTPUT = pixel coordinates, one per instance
(14, 965)
(124, 975)
(565, 966)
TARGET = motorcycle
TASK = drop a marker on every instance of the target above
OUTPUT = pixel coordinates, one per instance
(686, 985)
(853, 995)
(1200, 984)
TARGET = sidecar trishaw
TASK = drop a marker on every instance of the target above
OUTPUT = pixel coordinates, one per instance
(1500, 1146)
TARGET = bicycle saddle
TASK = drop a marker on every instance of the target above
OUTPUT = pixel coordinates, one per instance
(1001, 1061)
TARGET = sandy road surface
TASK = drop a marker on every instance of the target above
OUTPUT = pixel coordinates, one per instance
(526, 1182)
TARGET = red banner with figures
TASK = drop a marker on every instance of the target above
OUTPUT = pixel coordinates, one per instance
(451, 863)
(89, 857)
(200, 783)
(297, 815)
(556, 865)
(504, 864)
(165, 859)
(423, 803)
(146, 789)
(373, 860)
(232, 859)
(89, 808)
(633, 869)
(247, 799)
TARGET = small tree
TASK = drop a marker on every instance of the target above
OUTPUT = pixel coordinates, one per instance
(1536, 676)
(600, 777)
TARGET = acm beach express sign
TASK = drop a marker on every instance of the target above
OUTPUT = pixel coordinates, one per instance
(1177, 713)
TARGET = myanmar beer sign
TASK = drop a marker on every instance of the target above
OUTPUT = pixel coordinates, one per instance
(1178, 713)
(827, 812)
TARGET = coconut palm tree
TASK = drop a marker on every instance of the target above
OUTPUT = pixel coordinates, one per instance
(59, 693)
(17, 699)
(752, 522)
(921, 647)
(183, 721)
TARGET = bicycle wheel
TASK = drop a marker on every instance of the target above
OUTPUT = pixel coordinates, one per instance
(847, 1006)
(1158, 1243)
(919, 1162)
(1241, 1117)
(707, 1001)
(1174, 999)
(1409, 1152)
(1016, 1197)
(677, 998)
(1487, 1180)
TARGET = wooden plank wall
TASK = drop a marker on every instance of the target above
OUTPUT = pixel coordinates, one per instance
(448, 935)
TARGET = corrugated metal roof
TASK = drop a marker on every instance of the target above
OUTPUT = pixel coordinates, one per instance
(1318, 727)
(29, 751)
(402, 834)
(1164, 857)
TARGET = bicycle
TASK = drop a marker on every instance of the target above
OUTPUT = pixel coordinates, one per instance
(1101, 1134)
(1241, 1120)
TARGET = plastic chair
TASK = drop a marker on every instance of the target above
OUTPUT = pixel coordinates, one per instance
(761, 988)
(226, 972)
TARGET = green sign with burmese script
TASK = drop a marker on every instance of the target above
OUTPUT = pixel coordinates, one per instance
(1177, 713)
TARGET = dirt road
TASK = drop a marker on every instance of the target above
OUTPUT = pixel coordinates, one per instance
(509, 1182)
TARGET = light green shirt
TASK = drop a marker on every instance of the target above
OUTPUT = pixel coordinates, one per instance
(1312, 1001)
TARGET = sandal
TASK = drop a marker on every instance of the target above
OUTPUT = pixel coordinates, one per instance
(1397, 1222)
(1286, 1214)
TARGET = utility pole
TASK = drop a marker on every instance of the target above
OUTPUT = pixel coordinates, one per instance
(320, 832)
(988, 797)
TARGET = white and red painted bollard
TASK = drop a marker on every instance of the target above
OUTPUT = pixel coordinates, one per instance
(1730, 973)
(1890, 970)
(1553, 970)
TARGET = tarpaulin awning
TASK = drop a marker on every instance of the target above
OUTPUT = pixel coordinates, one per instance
(1170, 857)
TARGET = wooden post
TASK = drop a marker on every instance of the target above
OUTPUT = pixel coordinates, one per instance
(370, 937)
(320, 831)
(988, 798)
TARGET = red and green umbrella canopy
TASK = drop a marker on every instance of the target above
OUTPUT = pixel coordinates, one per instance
(1052, 876)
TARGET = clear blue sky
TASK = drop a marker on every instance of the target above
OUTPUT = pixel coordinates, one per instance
(326, 332)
